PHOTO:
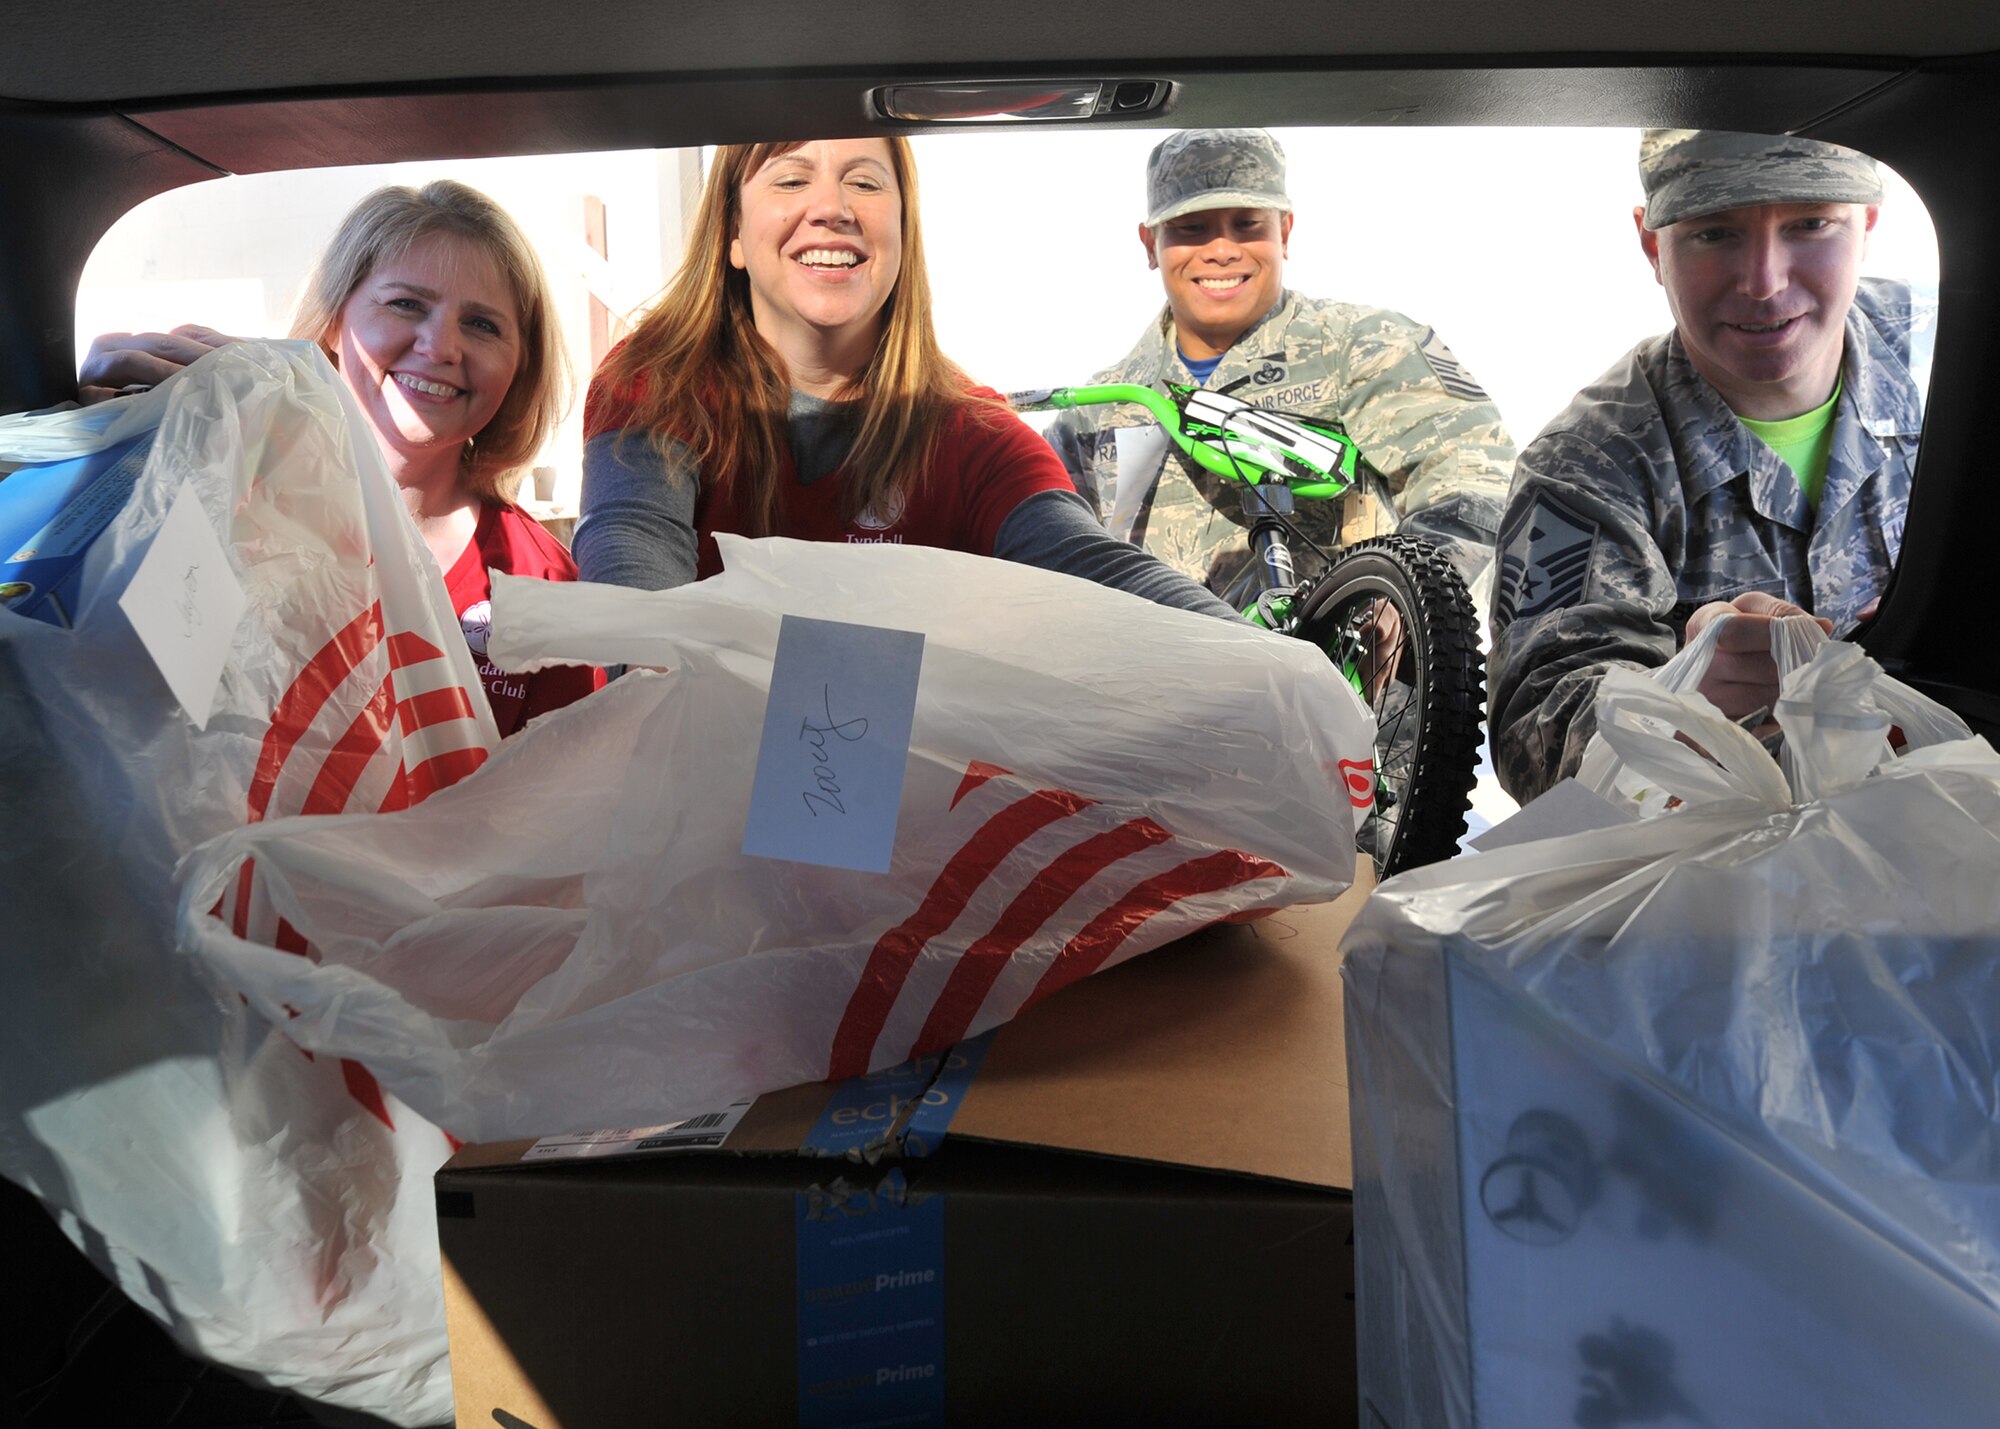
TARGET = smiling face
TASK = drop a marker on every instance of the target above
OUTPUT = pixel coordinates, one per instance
(1223, 269)
(429, 343)
(1760, 297)
(819, 233)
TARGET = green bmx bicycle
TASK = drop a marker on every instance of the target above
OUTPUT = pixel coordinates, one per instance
(1390, 611)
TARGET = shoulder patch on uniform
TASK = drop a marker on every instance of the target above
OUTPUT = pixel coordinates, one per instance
(1546, 565)
(1450, 371)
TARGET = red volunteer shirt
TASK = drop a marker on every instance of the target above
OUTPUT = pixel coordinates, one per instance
(986, 462)
(508, 539)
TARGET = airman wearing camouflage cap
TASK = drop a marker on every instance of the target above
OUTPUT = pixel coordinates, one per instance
(1691, 172)
(1199, 169)
(1755, 460)
(1217, 228)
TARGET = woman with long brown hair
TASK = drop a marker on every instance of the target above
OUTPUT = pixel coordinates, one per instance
(789, 382)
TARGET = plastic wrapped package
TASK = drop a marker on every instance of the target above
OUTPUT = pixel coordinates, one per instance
(1695, 1120)
(574, 937)
(271, 1209)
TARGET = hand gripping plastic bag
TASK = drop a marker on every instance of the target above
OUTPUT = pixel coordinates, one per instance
(272, 1209)
(573, 938)
(1696, 1119)
(1660, 740)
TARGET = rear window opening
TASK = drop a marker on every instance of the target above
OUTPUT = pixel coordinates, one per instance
(1516, 245)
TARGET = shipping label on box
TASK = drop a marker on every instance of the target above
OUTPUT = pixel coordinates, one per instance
(694, 1133)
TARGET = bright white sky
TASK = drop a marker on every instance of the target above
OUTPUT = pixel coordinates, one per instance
(1515, 244)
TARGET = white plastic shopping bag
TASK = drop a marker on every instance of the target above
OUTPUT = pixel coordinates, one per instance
(271, 1208)
(574, 938)
(1696, 1119)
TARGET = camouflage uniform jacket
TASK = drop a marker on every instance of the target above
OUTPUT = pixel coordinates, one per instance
(1647, 498)
(1391, 384)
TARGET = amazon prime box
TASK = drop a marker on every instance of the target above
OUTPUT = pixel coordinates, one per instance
(1128, 1206)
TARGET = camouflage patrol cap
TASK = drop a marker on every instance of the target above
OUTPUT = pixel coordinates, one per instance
(1690, 172)
(1199, 169)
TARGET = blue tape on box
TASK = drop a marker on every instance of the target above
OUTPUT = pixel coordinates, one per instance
(871, 1306)
(939, 1104)
(871, 1263)
(50, 515)
(907, 1106)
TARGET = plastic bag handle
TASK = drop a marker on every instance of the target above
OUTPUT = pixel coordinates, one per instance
(1838, 714)
(1648, 725)
(1794, 641)
(1642, 723)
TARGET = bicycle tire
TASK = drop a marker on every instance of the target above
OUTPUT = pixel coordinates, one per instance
(1427, 702)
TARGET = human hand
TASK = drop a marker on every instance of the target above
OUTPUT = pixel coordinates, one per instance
(121, 361)
(1743, 678)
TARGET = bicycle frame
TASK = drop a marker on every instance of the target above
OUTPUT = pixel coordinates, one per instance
(1274, 459)
(1238, 442)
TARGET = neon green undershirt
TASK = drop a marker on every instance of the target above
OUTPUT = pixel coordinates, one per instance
(1803, 443)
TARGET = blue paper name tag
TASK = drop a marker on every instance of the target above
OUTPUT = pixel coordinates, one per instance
(835, 746)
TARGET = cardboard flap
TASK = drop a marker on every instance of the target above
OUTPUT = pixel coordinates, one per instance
(1222, 1051)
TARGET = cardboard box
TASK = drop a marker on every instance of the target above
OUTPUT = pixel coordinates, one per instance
(1552, 1234)
(1130, 1205)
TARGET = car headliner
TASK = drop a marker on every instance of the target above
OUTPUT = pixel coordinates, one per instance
(91, 52)
(104, 107)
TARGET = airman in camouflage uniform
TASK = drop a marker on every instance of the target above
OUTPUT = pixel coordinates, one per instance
(1648, 498)
(1421, 420)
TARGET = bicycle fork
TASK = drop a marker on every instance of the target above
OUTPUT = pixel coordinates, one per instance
(1267, 503)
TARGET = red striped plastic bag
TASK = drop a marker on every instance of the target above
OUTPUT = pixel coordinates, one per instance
(270, 1207)
(573, 937)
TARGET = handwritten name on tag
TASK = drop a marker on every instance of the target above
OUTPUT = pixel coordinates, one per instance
(184, 601)
(836, 742)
